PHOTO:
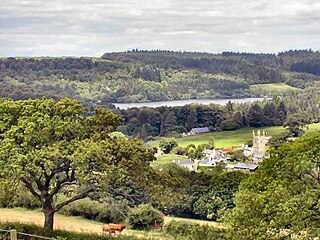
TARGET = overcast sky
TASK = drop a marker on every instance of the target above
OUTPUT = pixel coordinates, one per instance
(93, 27)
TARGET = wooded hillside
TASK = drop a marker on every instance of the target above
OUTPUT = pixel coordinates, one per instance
(135, 76)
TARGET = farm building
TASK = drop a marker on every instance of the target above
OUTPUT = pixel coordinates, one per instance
(197, 131)
(242, 166)
(187, 163)
(213, 158)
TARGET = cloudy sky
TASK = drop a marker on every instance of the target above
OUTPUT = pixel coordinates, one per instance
(93, 27)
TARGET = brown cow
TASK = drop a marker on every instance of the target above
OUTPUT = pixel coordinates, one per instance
(113, 228)
(157, 225)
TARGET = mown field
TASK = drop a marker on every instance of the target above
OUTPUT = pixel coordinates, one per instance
(78, 224)
(166, 159)
(230, 138)
(274, 87)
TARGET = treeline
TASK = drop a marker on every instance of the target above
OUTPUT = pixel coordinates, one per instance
(138, 76)
(163, 121)
(253, 72)
(145, 122)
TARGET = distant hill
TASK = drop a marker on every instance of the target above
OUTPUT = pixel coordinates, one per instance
(136, 76)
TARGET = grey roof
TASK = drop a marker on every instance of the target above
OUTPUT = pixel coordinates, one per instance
(250, 166)
(200, 130)
(206, 162)
(183, 162)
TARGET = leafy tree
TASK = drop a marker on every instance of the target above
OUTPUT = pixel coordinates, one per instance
(279, 139)
(282, 198)
(192, 119)
(255, 116)
(167, 144)
(180, 150)
(51, 147)
(144, 216)
(295, 124)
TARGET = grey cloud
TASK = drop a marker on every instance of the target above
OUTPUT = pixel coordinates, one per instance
(83, 27)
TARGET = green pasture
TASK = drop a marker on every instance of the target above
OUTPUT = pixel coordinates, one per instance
(231, 138)
(166, 159)
(274, 87)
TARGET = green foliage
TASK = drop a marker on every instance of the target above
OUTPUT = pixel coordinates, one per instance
(167, 144)
(144, 216)
(218, 198)
(295, 124)
(156, 76)
(51, 147)
(282, 197)
(22, 198)
(237, 155)
(279, 139)
(93, 210)
(180, 150)
(192, 231)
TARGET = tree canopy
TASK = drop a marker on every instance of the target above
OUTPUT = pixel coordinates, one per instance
(55, 147)
(282, 198)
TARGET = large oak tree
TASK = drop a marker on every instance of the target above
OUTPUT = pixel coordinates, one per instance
(52, 147)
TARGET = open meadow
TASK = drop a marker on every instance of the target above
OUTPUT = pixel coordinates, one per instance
(231, 138)
(81, 225)
(273, 87)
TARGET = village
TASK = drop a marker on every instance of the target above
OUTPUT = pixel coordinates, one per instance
(254, 154)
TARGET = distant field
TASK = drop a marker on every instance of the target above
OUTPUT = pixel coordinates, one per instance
(166, 159)
(280, 87)
(230, 138)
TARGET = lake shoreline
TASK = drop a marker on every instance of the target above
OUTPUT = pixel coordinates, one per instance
(176, 103)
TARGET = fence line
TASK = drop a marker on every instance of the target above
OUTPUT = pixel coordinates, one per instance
(13, 235)
(32, 235)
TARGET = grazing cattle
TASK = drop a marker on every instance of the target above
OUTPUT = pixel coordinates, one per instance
(157, 225)
(113, 228)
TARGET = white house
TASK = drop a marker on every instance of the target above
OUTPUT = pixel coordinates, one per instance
(197, 131)
(187, 163)
(242, 166)
(213, 158)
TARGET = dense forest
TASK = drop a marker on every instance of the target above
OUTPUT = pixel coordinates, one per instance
(147, 122)
(137, 76)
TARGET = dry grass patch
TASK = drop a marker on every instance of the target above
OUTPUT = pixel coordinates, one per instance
(73, 224)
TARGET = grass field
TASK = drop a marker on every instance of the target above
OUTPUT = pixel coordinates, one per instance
(78, 224)
(274, 87)
(166, 159)
(230, 138)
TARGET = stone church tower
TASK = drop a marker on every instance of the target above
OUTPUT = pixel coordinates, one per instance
(259, 145)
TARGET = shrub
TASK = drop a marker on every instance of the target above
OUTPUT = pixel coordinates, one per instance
(182, 228)
(94, 210)
(192, 231)
(144, 216)
(19, 198)
(180, 151)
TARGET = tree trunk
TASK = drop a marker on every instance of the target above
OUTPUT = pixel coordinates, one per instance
(48, 218)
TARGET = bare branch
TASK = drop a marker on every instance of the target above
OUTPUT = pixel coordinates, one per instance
(75, 198)
(60, 185)
(32, 190)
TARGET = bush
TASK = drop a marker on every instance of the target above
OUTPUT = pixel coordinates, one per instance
(19, 198)
(103, 212)
(180, 151)
(192, 231)
(144, 216)
(182, 228)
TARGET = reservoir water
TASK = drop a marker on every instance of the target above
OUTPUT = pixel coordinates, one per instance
(175, 103)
